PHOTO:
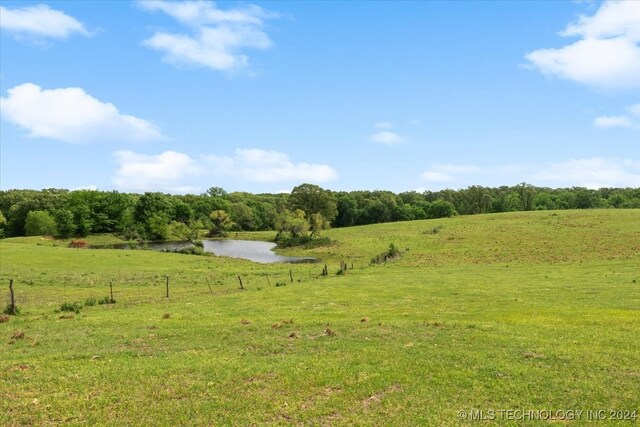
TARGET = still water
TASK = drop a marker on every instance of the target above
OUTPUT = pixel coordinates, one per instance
(252, 250)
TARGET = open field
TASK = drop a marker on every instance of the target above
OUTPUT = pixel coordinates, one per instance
(522, 311)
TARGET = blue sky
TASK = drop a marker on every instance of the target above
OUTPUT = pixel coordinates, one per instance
(262, 96)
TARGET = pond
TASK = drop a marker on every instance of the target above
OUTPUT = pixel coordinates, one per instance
(252, 250)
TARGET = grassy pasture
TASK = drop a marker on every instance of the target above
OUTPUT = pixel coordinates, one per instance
(523, 311)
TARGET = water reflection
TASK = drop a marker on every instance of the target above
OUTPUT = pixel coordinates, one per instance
(252, 250)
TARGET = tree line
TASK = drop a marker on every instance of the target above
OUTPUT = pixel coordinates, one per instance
(306, 211)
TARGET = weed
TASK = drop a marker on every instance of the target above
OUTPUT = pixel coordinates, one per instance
(11, 310)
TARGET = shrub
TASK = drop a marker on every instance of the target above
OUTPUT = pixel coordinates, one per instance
(78, 243)
(71, 307)
(306, 242)
(392, 253)
(106, 300)
(90, 302)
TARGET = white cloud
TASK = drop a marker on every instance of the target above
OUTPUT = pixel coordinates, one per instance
(433, 176)
(631, 120)
(40, 21)
(162, 172)
(71, 115)
(216, 36)
(268, 167)
(612, 121)
(608, 54)
(441, 173)
(387, 137)
(591, 173)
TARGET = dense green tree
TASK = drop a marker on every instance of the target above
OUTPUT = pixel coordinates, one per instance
(65, 223)
(527, 193)
(40, 223)
(243, 216)
(182, 212)
(313, 199)
(3, 224)
(158, 227)
(441, 209)
(347, 211)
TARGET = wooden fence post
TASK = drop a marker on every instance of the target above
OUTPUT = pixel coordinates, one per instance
(12, 307)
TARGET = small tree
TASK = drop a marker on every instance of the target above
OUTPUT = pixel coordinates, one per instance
(317, 223)
(293, 223)
(39, 223)
(189, 232)
(220, 223)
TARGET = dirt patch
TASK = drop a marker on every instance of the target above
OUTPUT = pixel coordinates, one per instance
(66, 316)
(293, 335)
(245, 322)
(166, 316)
(4, 318)
(364, 319)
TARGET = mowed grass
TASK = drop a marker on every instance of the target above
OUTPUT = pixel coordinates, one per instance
(522, 311)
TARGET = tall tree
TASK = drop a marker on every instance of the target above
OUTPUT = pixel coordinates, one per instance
(312, 199)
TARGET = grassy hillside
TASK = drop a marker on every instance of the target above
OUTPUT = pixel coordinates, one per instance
(518, 311)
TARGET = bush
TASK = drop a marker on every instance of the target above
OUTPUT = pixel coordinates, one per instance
(70, 307)
(199, 244)
(392, 253)
(306, 242)
(106, 300)
(78, 243)
(191, 250)
(90, 302)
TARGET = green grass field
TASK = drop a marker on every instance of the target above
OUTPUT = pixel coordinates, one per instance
(519, 311)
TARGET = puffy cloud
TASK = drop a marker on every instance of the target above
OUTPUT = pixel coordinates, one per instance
(387, 137)
(216, 36)
(40, 21)
(268, 167)
(612, 121)
(631, 120)
(164, 172)
(71, 115)
(591, 173)
(608, 54)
